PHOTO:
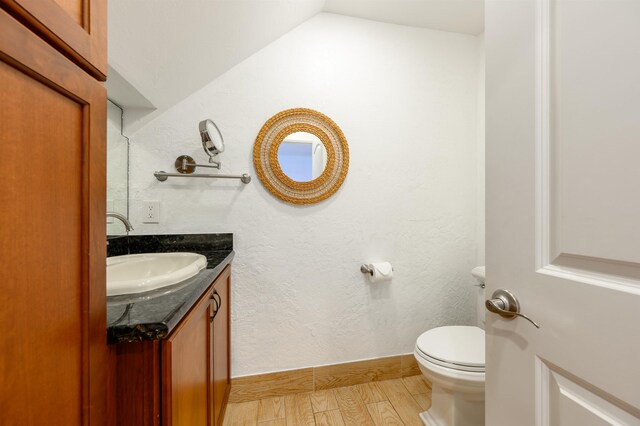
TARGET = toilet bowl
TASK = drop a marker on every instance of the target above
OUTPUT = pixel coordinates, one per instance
(452, 359)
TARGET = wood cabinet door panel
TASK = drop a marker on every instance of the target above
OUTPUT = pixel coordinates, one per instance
(221, 373)
(78, 28)
(137, 383)
(52, 235)
(186, 369)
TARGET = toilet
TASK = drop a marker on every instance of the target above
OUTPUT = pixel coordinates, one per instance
(452, 359)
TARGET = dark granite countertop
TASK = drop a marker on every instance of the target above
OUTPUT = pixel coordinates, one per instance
(154, 314)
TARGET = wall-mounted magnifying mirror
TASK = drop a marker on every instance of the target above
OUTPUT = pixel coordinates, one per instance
(213, 144)
(302, 156)
(212, 140)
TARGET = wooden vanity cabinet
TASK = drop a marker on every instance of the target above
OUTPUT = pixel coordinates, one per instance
(186, 367)
(221, 348)
(183, 380)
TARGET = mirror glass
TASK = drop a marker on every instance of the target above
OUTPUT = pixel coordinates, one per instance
(117, 170)
(212, 140)
(302, 156)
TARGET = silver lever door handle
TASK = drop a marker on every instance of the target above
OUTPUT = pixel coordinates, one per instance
(505, 304)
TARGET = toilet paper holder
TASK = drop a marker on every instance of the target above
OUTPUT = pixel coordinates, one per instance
(366, 270)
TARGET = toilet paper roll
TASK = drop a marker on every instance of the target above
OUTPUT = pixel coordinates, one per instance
(382, 271)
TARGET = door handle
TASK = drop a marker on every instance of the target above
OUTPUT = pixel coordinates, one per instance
(505, 304)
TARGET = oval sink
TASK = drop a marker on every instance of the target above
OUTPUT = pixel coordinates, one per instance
(137, 273)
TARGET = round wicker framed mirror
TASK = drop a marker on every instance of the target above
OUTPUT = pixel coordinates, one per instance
(301, 156)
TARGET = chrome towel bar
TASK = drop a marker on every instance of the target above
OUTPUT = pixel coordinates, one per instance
(186, 166)
(162, 176)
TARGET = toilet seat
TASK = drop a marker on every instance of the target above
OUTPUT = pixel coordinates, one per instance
(458, 348)
(452, 366)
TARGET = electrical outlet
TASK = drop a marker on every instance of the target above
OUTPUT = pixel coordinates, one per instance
(151, 211)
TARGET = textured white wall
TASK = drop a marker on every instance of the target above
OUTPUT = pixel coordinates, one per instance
(406, 99)
(117, 181)
(168, 49)
(481, 152)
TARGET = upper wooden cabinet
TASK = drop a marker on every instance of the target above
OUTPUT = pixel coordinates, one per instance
(77, 28)
(52, 235)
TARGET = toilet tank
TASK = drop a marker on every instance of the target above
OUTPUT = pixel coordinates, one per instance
(479, 274)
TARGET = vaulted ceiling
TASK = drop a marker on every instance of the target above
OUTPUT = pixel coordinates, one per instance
(461, 16)
(161, 51)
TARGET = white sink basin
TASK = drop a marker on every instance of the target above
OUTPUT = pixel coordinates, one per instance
(137, 273)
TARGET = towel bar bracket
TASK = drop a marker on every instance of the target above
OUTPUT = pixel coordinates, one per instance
(187, 165)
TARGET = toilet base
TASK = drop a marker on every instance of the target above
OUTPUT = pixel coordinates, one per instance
(454, 409)
(429, 420)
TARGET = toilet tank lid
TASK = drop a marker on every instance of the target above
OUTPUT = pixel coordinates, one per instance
(462, 345)
(479, 272)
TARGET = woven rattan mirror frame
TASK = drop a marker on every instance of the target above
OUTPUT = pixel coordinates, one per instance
(265, 156)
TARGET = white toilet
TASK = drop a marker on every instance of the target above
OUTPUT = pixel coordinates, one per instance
(452, 359)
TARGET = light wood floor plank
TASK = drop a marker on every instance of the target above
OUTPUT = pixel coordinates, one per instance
(404, 404)
(354, 411)
(271, 409)
(383, 414)
(298, 410)
(242, 414)
(329, 418)
(276, 422)
(370, 393)
(416, 385)
(323, 400)
(423, 400)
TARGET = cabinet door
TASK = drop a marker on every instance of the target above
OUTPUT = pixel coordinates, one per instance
(221, 374)
(52, 236)
(186, 369)
(78, 28)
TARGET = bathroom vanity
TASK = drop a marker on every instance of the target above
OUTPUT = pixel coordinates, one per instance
(171, 347)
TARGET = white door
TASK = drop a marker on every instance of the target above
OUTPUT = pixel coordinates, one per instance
(563, 211)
